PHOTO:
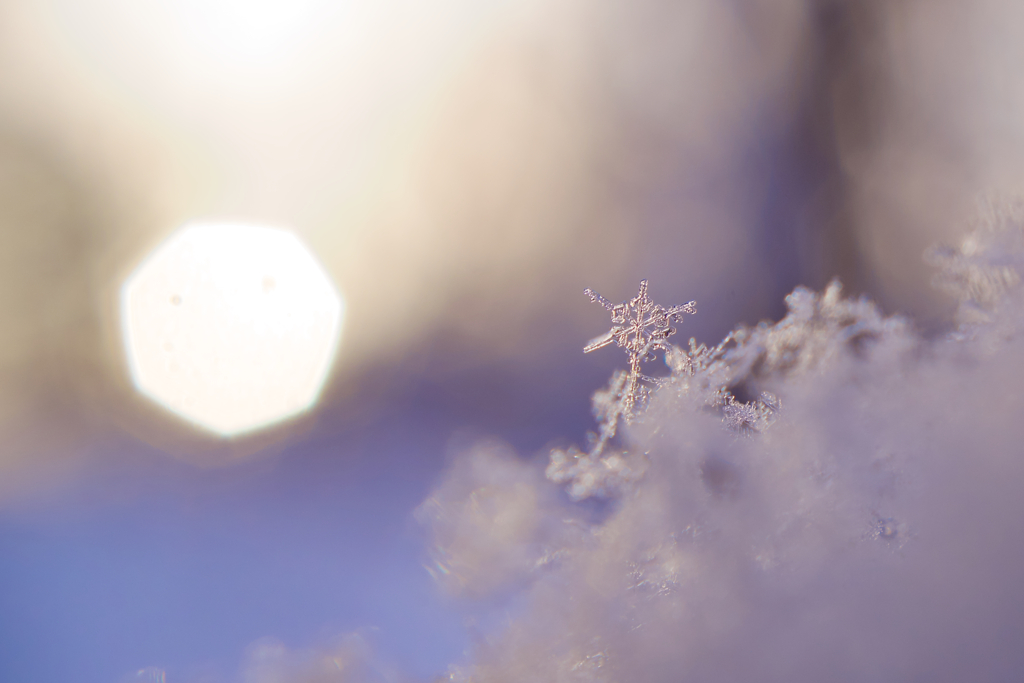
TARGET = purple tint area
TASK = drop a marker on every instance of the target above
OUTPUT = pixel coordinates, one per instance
(183, 568)
(148, 561)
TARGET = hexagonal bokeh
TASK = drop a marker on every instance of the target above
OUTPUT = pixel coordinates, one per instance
(231, 326)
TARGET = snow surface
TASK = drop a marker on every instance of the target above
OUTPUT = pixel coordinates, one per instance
(860, 521)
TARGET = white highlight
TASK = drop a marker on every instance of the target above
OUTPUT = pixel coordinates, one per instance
(244, 31)
(231, 326)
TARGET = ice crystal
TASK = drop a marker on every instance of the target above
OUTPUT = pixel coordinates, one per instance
(591, 474)
(590, 668)
(818, 331)
(642, 328)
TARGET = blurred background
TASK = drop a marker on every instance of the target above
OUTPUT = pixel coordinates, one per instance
(462, 170)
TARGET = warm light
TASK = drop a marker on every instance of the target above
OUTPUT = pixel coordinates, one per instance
(243, 30)
(231, 326)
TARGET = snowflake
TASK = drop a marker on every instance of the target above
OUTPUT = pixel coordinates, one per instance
(641, 327)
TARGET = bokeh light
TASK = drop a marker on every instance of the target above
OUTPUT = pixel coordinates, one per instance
(231, 326)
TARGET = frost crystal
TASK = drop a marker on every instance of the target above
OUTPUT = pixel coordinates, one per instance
(641, 327)
(818, 331)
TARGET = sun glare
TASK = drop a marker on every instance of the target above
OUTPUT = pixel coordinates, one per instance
(231, 326)
(244, 30)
